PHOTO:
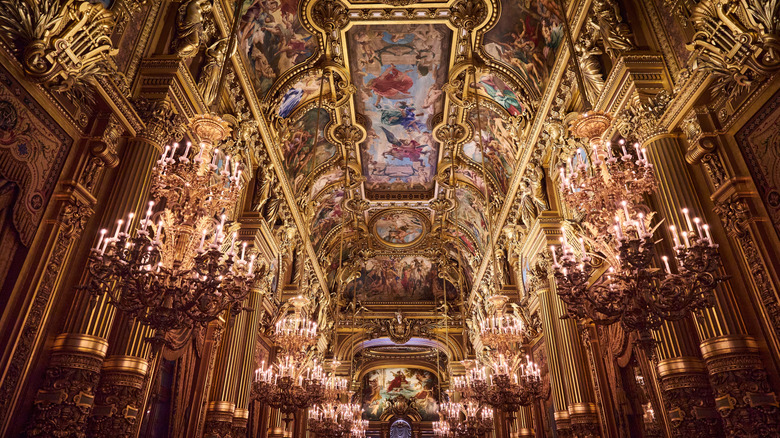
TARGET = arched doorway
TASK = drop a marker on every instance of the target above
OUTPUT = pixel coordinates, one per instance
(400, 429)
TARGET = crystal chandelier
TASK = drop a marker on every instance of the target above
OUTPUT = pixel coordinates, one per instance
(178, 271)
(595, 188)
(295, 380)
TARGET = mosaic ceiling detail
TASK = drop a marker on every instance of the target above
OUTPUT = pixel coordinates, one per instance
(391, 122)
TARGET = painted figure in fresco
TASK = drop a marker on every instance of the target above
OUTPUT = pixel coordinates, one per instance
(399, 380)
(391, 84)
(273, 39)
(401, 149)
(401, 114)
(502, 94)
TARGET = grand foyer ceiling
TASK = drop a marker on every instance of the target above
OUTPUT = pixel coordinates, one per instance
(401, 92)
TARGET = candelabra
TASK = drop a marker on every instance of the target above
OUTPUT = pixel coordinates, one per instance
(295, 381)
(632, 290)
(628, 288)
(179, 271)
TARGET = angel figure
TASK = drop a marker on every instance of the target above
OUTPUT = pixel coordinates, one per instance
(401, 149)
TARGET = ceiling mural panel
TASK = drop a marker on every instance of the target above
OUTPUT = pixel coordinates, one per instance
(470, 208)
(304, 146)
(419, 387)
(273, 40)
(327, 179)
(497, 141)
(526, 38)
(400, 227)
(399, 70)
(385, 278)
(301, 91)
(327, 216)
(492, 85)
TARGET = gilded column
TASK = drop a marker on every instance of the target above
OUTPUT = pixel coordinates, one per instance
(582, 401)
(682, 374)
(247, 366)
(743, 395)
(120, 395)
(222, 400)
(685, 387)
(552, 347)
(525, 423)
(78, 353)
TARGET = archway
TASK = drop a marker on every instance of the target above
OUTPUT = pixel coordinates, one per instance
(400, 429)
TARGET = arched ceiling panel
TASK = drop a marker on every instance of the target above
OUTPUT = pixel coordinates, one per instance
(526, 38)
(272, 40)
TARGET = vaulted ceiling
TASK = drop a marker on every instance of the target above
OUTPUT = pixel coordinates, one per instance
(385, 119)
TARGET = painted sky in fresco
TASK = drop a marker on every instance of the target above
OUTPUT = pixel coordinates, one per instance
(399, 70)
(398, 227)
(383, 385)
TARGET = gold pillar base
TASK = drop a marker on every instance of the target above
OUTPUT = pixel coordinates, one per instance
(65, 400)
(219, 419)
(743, 395)
(240, 420)
(524, 432)
(584, 420)
(119, 397)
(688, 398)
(562, 424)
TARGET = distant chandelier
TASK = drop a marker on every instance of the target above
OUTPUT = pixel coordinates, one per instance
(295, 380)
(514, 380)
(179, 271)
(465, 419)
(333, 418)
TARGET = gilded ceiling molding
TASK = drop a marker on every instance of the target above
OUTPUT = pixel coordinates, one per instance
(577, 11)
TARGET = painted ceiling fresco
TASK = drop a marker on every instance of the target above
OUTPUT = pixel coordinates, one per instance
(382, 386)
(470, 211)
(526, 38)
(327, 216)
(388, 67)
(497, 141)
(272, 40)
(301, 91)
(399, 227)
(399, 70)
(406, 278)
(304, 146)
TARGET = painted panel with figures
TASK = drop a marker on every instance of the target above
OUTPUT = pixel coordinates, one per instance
(526, 38)
(398, 70)
(418, 387)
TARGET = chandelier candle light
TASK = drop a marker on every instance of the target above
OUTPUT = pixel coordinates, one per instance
(178, 271)
(296, 380)
(632, 290)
